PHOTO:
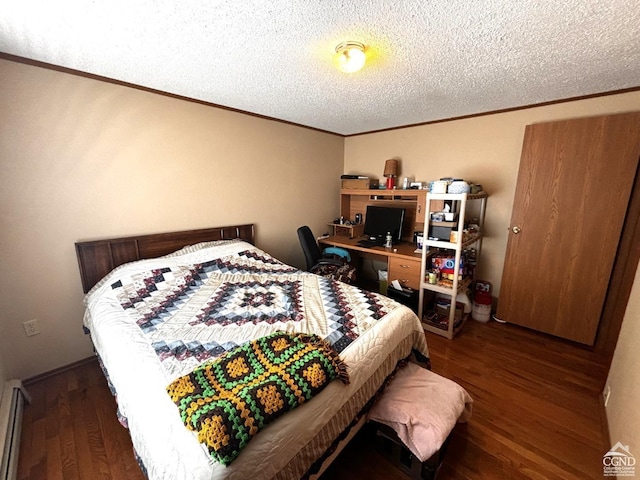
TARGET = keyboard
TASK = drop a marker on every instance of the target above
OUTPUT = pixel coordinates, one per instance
(370, 243)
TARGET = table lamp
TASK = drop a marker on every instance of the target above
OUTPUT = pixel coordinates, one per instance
(391, 172)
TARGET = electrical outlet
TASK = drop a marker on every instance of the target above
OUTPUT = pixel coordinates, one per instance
(31, 328)
(606, 394)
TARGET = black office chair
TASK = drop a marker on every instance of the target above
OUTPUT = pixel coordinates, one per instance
(331, 263)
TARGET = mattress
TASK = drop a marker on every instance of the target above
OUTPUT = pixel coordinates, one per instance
(152, 321)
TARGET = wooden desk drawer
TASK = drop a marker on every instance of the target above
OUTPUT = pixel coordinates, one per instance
(406, 271)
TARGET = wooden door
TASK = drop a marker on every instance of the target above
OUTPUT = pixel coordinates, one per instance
(571, 198)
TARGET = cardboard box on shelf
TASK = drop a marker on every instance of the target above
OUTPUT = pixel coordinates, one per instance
(443, 309)
(359, 183)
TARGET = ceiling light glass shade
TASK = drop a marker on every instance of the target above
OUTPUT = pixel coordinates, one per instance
(351, 56)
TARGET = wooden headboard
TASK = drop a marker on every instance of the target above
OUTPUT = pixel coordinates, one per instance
(97, 258)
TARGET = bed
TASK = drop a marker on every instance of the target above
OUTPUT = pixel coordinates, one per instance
(159, 306)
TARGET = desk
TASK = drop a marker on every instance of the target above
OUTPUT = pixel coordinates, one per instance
(402, 263)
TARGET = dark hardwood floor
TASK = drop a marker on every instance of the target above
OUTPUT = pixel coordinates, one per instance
(70, 430)
(537, 415)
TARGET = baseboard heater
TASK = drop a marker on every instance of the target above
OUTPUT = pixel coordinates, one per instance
(13, 398)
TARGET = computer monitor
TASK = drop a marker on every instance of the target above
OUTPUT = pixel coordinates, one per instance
(380, 220)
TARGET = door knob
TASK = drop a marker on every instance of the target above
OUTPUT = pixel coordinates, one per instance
(516, 230)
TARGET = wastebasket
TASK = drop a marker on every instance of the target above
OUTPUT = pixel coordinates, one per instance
(482, 301)
(383, 281)
(406, 296)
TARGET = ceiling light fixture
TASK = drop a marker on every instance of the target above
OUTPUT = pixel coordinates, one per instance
(350, 56)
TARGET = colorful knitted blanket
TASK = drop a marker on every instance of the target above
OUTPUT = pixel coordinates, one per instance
(228, 401)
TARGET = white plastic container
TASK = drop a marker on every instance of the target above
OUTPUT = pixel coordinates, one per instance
(482, 301)
(439, 186)
(458, 186)
(481, 310)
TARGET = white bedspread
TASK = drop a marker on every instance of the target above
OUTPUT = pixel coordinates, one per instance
(147, 335)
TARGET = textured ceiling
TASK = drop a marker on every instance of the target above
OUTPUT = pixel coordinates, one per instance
(427, 59)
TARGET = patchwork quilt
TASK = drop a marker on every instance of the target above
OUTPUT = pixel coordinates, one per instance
(178, 308)
(155, 321)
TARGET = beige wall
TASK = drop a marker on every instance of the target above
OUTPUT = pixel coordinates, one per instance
(83, 159)
(483, 149)
(623, 414)
(3, 375)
